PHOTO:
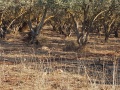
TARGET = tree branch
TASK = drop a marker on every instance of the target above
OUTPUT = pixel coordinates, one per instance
(42, 21)
(17, 18)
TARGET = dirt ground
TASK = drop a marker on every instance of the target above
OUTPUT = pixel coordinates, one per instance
(56, 64)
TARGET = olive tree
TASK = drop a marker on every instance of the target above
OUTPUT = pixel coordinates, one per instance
(86, 11)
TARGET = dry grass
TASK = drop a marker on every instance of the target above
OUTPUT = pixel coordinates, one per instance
(24, 77)
(56, 64)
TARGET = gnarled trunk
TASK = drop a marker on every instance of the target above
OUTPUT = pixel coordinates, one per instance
(82, 37)
(34, 32)
(116, 33)
(108, 28)
(40, 25)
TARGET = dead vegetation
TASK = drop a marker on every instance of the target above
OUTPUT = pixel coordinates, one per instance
(51, 67)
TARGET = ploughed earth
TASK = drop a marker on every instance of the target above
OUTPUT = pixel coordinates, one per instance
(56, 64)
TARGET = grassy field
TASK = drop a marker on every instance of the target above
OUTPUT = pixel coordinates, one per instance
(56, 64)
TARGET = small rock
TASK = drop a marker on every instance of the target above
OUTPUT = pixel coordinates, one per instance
(59, 71)
(45, 48)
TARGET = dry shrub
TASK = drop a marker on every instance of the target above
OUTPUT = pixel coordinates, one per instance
(42, 40)
(70, 46)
